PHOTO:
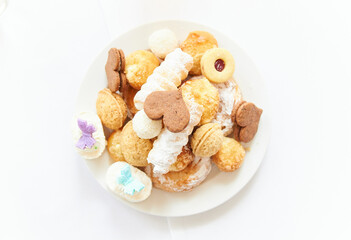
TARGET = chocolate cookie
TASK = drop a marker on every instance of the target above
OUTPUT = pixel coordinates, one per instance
(169, 105)
(246, 117)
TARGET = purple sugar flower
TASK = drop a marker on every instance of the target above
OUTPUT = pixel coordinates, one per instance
(86, 140)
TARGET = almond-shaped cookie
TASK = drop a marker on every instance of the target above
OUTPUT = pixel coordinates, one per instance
(111, 109)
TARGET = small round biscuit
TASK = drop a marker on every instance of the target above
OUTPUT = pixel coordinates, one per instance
(196, 44)
(183, 160)
(114, 146)
(217, 65)
(162, 42)
(183, 181)
(230, 156)
(205, 94)
(111, 109)
(145, 127)
(207, 140)
(139, 66)
(134, 149)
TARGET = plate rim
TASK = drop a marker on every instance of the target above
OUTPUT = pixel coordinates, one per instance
(267, 111)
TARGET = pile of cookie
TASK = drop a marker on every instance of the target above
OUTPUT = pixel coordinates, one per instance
(172, 110)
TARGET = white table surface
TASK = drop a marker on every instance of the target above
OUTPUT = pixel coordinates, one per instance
(303, 187)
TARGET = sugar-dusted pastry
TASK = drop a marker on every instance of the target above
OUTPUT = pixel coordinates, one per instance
(139, 66)
(196, 44)
(114, 146)
(183, 160)
(144, 127)
(207, 140)
(217, 65)
(128, 182)
(88, 135)
(230, 156)
(204, 94)
(187, 179)
(168, 145)
(162, 42)
(134, 149)
(111, 109)
(166, 77)
(229, 96)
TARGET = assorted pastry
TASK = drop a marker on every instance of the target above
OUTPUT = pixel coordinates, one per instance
(174, 110)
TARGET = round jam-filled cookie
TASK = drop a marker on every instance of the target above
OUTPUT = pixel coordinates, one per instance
(114, 146)
(205, 94)
(187, 179)
(162, 42)
(128, 182)
(139, 66)
(196, 44)
(207, 140)
(135, 150)
(88, 135)
(183, 160)
(145, 127)
(217, 65)
(230, 156)
(111, 109)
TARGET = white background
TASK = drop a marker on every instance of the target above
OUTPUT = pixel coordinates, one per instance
(302, 189)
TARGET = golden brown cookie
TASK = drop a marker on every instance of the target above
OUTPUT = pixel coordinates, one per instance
(169, 105)
(134, 149)
(196, 44)
(217, 65)
(207, 140)
(114, 146)
(193, 175)
(205, 94)
(230, 156)
(139, 66)
(183, 160)
(111, 109)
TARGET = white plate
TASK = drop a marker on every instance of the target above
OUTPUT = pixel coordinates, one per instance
(218, 186)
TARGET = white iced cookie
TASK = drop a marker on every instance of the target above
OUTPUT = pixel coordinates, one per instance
(162, 42)
(88, 135)
(145, 127)
(128, 182)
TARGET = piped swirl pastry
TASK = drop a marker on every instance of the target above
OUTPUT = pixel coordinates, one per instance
(166, 77)
(168, 145)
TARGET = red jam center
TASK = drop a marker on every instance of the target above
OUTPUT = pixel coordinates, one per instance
(219, 65)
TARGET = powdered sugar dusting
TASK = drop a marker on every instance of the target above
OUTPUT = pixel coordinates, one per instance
(168, 145)
(202, 167)
(164, 79)
(229, 95)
